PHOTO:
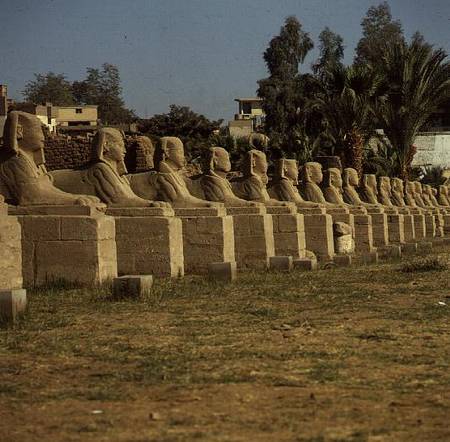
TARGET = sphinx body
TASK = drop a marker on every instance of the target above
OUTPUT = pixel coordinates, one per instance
(252, 186)
(369, 190)
(443, 196)
(384, 191)
(214, 183)
(398, 192)
(284, 184)
(105, 176)
(24, 176)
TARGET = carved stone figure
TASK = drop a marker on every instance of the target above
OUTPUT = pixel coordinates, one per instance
(443, 196)
(410, 199)
(369, 190)
(105, 176)
(284, 184)
(258, 141)
(170, 182)
(22, 166)
(252, 186)
(384, 191)
(214, 182)
(139, 157)
(397, 192)
(350, 184)
(312, 176)
(332, 186)
(418, 195)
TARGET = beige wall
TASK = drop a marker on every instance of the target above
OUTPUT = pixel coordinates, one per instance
(69, 114)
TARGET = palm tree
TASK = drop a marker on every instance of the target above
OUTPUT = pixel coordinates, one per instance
(417, 81)
(347, 106)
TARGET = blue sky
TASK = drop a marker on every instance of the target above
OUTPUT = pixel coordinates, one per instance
(199, 53)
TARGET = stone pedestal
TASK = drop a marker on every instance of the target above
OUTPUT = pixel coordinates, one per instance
(253, 236)
(430, 225)
(396, 226)
(380, 229)
(149, 241)
(419, 223)
(446, 225)
(409, 224)
(75, 244)
(12, 304)
(318, 232)
(363, 231)
(208, 236)
(288, 231)
(132, 286)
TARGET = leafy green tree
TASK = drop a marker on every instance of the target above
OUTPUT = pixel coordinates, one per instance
(379, 30)
(195, 130)
(49, 87)
(282, 90)
(331, 52)
(347, 105)
(103, 87)
(417, 81)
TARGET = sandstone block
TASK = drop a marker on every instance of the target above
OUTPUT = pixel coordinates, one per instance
(370, 258)
(281, 263)
(222, 271)
(391, 251)
(409, 247)
(425, 247)
(12, 304)
(132, 286)
(305, 263)
(342, 260)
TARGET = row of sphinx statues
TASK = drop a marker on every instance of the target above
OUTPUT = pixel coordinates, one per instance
(26, 181)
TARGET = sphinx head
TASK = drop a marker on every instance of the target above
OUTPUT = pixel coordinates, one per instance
(255, 164)
(370, 182)
(350, 177)
(287, 168)
(312, 172)
(384, 183)
(417, 187)
(332, 178)
(171, 151)
(410, 187)
(108, 146)
(217, 160)
(397, 185)
(23, 132)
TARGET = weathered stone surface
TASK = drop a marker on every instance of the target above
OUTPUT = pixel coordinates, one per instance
(10, 253)
(319, 235)
(370, 258)
(132, 286)
(342, 260)
(409, 247)
(306, 263)
(391, 251)
(12, 304)
(281, 263)
(222, 271)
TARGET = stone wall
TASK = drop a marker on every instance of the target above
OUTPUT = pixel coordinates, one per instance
(62, 152)
(433, 149)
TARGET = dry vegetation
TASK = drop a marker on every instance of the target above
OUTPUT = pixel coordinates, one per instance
(345, 354)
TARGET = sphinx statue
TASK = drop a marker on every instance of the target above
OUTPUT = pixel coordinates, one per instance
(398, 192)
(410, 199)
(443, 196)
(105, 176)
(214, 182)
(24, 177)
(169, 183)
(369, 189)
(418, 195)
(385, 191)
(312, 177)
(350, 184)
(332, 187)
(252, 186)
(284, 184)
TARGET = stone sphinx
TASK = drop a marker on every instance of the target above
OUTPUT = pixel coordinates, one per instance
(369, 190)
(24, 177)
(214, 182)
(332, 187)
(168, 183)
(252, 186)
(350, 184)
(443, 196)
(105, 175)
(410, 189)
(385, 191)
(398, 192)
(284, 184)
(312, 177)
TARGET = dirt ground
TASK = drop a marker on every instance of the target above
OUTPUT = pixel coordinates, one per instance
(347, 354)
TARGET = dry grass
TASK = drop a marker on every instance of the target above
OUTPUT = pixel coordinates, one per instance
(347, 354)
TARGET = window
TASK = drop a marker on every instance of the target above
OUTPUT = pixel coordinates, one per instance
(246, 107)
(78, 110)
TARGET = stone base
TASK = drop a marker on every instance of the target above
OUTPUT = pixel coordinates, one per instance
(425, 247)
(78, 249)
(419, 226)
(208, 236)
(281, 263)
(132, 286)
(222, 271)
(430, 223)
(319, 235)
(12, 304)
(307, 264)
(391, 251)
(253, 237)
(342, 260)
(380, 231)
(363, 234)
(10, 252)
(288, 231)
(370, 258)
(149, 241)
(409, 247)
(396, 228)
(446, 225)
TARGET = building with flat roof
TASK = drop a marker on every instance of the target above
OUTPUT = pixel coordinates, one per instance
(250, 117)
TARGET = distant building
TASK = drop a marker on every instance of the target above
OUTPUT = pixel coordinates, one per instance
(3, 106)
(76, 116)
(249, 118)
